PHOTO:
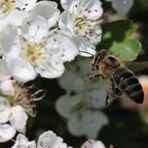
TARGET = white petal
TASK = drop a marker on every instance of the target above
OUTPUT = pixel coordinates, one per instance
(20, 69)
(66, 103)
(92, 123)
(36, 27)
(25, 5)
(66, 22)
(75, 125)
(91, 9)
(93, 144)
(65, 45)
(48, 10)
(7, 87)
(95, 36)
(85, 47)
(4, 69)
(71, 5)
(60, 48)
(53, 68)
(22, 142)
(96, 94)
(67, 78)
(16, 17)
(50, 140)
(5, 110)
(65, 3)
(8, 37)
(7, 132)
(18, 118)
(3, 22)
(122, 6)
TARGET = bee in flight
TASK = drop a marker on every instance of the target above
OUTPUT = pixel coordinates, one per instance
(123, 80)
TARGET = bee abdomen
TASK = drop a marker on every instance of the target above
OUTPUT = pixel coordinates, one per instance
(129, 84)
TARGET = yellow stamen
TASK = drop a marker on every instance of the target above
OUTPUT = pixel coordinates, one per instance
(25, 98)
(33, 52)
(6, 5)
(83, 25)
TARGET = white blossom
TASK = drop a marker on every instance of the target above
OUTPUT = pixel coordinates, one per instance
(14, 110)
(23, 142)
(18, 118)
(83, 101)
(93, 144)
(5, 110)
(36, 51)
(50, 139)
(122, 6)
(47, 139)
(14, 11)
(7, 132)
(82, 117)
(82, 19)
(15, 115)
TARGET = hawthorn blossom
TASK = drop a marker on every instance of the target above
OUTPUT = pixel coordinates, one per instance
(36, 51)
(15, 115)
(93, 144)
(15, 107)
(47, 139)
(82, 19)
(22, 141)
(14, 11)
(82, 104)
(122, 6)
(83, 118)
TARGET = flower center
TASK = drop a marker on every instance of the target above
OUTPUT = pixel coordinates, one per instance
(25, 96)
(83, 26)
(33, 52)
(6, 5)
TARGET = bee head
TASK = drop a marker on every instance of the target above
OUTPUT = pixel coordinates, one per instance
(100, 55)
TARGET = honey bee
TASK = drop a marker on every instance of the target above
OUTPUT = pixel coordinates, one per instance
(123, 80)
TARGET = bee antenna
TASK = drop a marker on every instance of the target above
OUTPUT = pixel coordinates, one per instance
(86, 52)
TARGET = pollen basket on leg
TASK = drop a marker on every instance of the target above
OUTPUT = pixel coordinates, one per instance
(6, 6)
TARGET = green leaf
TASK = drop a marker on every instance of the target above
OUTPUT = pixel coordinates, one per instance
(117, 30)
(117, 39)
(1, 95)
(127, 50)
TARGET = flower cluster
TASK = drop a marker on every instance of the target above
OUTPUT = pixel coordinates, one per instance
(82, 103)
(15, 106)
(49, 139)
(43, 39)
(37, 39)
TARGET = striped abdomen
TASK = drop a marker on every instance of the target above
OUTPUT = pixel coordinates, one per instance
(129, 84)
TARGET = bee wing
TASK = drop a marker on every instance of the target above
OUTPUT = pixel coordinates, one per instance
(137, 66)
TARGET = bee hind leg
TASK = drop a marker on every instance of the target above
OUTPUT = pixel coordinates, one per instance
(107, 100)
(112, 94)
(95, 77)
